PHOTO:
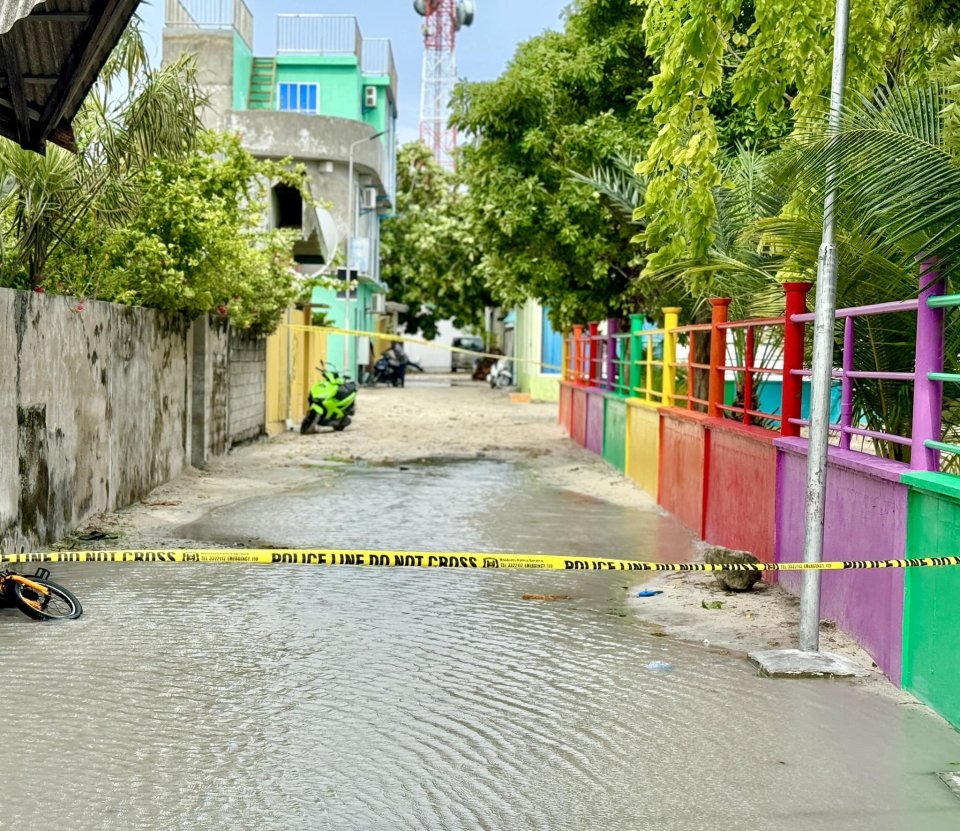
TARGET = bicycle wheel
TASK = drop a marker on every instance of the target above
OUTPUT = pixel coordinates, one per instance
(60, 604)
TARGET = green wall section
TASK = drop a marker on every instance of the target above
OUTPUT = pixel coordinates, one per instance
(361, 319)
(615, 432)
(337, 76)
(931, 613)
(242, 67)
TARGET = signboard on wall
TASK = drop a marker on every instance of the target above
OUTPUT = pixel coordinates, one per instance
(358, 255)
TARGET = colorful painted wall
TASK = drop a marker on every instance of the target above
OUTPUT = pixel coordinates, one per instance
(931, 607)
(743, 486)
(537, 351)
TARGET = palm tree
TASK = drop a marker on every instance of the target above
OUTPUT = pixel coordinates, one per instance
(133, 115)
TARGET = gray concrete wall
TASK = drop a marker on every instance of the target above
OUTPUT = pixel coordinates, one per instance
(210, 390)
(213, 51)
(100, 404)
(248, 387)
(95, 410)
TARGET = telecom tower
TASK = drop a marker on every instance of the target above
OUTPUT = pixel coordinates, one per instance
(443, 19)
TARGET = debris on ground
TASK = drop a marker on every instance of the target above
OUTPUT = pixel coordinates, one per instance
(734, 581)
(547, 597)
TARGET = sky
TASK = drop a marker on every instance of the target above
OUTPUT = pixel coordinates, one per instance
(483, 49)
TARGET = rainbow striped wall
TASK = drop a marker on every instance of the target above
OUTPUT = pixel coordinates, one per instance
(743, 486)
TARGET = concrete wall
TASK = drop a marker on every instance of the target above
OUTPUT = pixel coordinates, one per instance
(103, 403)
(866, 518)
(643, 445)
(931, 612)
(96, 410)
(593, 437)
(683, 462)
(741, 480)
(248, 387)
(565, 411)
(214, 51)
(615, 432)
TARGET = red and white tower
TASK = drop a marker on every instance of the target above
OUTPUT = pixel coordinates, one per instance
(442, 20)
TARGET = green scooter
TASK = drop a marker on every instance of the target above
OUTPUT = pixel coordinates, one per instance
(332, 400)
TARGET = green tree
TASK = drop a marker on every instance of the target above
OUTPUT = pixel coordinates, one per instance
(430, 255)
(719, 59)
(566, 102)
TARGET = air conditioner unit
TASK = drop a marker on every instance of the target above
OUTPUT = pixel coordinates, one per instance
(378, 304)
(370, 97)
(325, 166)
(369, 199)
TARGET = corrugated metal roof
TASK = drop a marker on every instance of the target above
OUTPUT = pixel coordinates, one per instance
(50, 54)
(12, 10)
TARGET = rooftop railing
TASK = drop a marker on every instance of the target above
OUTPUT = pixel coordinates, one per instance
(377, 59)
(319, 34)
(211, 14)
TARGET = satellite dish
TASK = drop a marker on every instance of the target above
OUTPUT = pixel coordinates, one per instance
(420, 7)
(469, 9)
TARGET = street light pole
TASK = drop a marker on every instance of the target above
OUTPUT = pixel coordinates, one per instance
(822, 368)
(351, 231)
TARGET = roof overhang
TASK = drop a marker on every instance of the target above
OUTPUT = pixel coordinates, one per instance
(51, 52)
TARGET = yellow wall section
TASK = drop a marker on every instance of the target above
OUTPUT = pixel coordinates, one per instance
(292, 358)
(643, 444)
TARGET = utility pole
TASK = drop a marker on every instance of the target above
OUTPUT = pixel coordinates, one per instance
(821, 377)
(351, 232)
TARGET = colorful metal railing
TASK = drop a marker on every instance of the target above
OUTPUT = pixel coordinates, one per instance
(626, 364)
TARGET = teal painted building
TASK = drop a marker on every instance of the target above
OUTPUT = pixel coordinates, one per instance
(327, 98)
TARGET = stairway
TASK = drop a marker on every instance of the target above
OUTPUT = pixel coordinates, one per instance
(263, 77)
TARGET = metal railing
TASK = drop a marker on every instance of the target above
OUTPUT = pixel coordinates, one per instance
(377, 59)
(211, 14)
(319, 34)
(626, 364)
(749, 410)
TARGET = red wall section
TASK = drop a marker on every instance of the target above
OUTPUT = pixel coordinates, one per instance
(566, 408)
(578, 417)
(741, 480)
(683, 459)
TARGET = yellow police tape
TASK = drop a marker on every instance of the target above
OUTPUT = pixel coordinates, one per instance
(436, 559)
(331, 330)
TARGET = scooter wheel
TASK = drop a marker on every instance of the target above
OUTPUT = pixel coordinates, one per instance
(342, 425)
(309, 422)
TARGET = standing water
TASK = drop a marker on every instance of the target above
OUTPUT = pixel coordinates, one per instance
(245, 697)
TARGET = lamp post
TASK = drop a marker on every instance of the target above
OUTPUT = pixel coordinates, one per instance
(351, 231)
(822, 367)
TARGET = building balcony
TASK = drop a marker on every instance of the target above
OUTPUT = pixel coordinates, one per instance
(210, 14)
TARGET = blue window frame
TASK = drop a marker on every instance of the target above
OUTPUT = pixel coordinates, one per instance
(300, 98)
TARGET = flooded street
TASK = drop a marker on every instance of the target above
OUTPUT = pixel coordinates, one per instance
(284, 697)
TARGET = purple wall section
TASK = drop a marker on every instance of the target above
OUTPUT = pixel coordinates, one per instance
(594, 437)
(866, 519)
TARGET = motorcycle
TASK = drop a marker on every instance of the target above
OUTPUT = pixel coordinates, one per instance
(331, 401)
(386, 373)
(501, 375)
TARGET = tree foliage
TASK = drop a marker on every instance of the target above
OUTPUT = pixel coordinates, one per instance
(152, 210)
(776, 57)
(566, 102)
(430, 255)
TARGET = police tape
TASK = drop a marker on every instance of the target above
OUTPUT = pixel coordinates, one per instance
(332, 330)
(443, 560)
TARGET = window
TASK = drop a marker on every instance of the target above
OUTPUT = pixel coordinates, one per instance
(300, 98)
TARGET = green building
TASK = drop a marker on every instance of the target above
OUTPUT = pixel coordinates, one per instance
(326, 98)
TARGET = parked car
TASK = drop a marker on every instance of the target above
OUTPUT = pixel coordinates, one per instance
(464, 360)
